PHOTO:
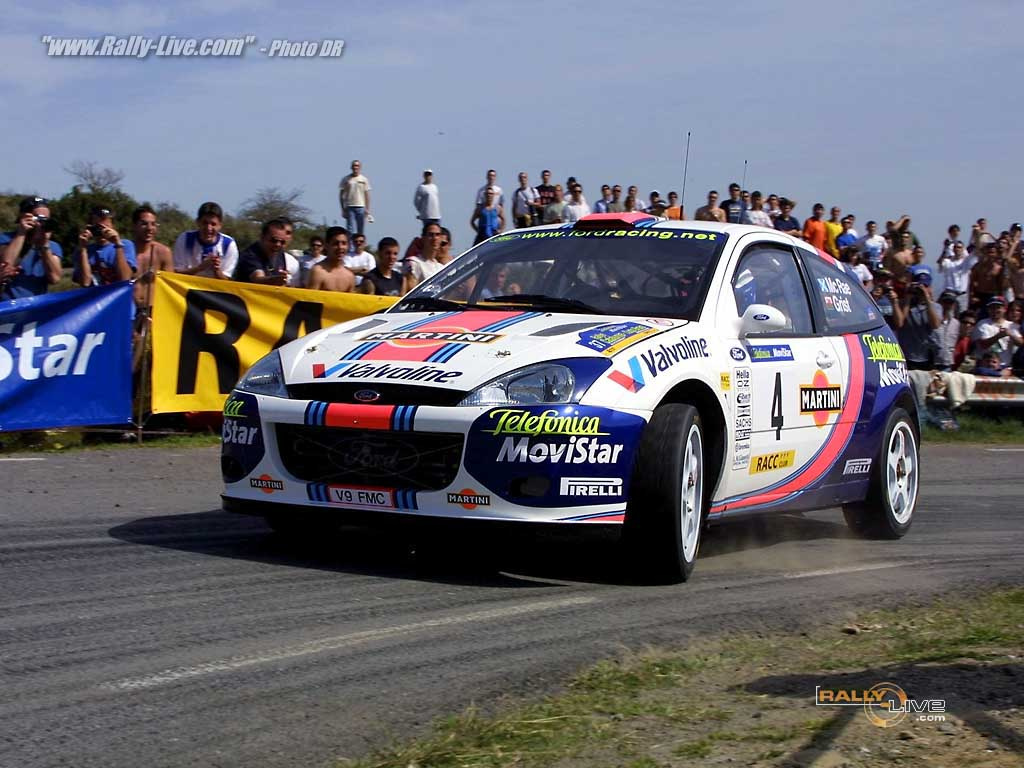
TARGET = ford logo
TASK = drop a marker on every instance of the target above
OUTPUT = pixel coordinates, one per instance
(367, 396)
(761, 317)
(737, 353)
(375, 457)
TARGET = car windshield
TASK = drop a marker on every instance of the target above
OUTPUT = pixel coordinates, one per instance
(643, 271)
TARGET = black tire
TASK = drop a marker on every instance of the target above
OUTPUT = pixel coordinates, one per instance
(661, 532)
(888, 510)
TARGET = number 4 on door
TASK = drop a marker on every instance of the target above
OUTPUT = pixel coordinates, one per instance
(777, 407)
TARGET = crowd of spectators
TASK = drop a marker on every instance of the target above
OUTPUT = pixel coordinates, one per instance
(967, 317)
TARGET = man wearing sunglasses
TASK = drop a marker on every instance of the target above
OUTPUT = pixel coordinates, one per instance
(359, 261)
(263, 261)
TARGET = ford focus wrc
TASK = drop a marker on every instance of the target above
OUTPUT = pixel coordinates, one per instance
(627, 370)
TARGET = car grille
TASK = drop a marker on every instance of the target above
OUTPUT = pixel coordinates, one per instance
(390, 394)
(424, 461)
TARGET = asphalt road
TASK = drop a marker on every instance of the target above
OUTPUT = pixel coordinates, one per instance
(139, 625)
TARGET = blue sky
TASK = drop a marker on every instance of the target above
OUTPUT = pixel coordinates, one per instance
(882, 108)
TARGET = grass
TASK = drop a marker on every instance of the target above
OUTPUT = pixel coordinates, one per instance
(60, 440)
(992, 426)
(658, 707)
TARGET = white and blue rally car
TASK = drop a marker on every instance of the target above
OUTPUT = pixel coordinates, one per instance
(657, 375)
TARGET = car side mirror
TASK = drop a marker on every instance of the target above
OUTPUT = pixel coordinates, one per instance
(761, 318)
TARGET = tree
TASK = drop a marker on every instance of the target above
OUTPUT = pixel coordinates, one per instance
(173, 221)
(97, 179)
(271, 203)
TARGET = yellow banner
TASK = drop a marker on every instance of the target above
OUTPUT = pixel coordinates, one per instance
(207, 332)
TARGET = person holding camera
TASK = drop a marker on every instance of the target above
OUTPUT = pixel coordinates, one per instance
(916, 318)
(102, 257)
(29, 261)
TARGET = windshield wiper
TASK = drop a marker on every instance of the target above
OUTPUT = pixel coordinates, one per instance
(544, 301)
(417, 303)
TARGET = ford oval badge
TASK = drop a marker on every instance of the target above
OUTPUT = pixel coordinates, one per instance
(737, 353)
(367, 396)
(761, 317)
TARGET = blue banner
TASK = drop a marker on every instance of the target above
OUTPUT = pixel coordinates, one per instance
(65, 359)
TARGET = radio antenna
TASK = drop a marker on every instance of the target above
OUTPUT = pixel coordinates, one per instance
(686, 163)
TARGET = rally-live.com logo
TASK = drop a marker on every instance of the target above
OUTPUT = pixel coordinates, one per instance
(885, 704)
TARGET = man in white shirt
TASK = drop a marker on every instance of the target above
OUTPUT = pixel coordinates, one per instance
(577, 207)
(310, 258)
(523, 200)
(872, 246)
(428, 200)
(996, 333)
(359, 260)
(354, 195)
(756, 214)
(481, 194)
(956, 272)
(206, 251)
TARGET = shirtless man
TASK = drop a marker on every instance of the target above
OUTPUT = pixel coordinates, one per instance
(152, 256)
(331, 274)
(711, 211)
(902, 257)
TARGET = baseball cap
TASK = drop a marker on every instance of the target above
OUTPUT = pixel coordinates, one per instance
(100, 212)
(947, 296)
(921, 274)
(29, 204)
(996, 300)
(427, 170)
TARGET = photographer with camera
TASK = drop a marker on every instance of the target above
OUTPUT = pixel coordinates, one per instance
(29, 261)
(916, 319)
(102, 256)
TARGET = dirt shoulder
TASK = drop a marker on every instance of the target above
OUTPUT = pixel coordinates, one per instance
(750, 700)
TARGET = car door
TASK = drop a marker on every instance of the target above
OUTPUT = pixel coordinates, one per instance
(870, 363)
(784, 397)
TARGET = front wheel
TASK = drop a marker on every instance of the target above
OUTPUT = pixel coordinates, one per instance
(888, 510)
(668, 498)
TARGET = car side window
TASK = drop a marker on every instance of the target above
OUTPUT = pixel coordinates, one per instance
(768, 274)
(846, 306)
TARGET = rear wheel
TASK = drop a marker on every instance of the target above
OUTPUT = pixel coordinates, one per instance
(888, 510)
(668, 501)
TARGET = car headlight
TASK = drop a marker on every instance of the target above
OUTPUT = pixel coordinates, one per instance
(265, 377)
(544, 383)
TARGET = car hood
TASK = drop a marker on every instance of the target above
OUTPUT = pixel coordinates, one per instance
(458, 350)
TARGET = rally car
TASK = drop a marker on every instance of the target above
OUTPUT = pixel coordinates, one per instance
(627, 370)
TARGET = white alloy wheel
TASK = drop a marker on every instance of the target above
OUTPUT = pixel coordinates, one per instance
(901, 472)
(692, 490)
